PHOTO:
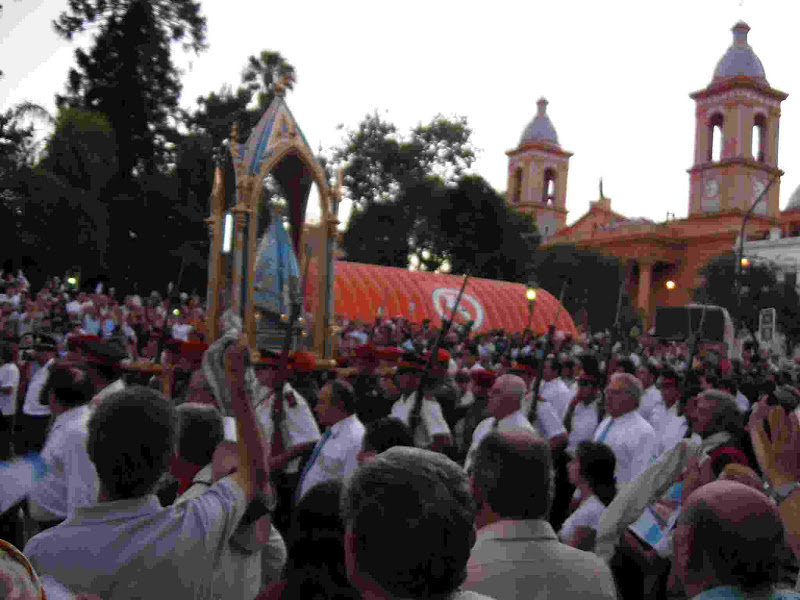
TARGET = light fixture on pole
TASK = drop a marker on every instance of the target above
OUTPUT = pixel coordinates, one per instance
(530, 294)
(670, 285)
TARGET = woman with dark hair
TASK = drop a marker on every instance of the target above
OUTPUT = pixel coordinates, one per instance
(315, 567)
(591, 472)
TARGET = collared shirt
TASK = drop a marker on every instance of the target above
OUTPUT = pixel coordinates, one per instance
(732, 593)
(33, 405)
(337, 458)
(651, 406)
(9, 377)
(238, 574)
(584, 423)
(298, 425)
(432, 419)
(548, 423)
(134, 548)
(71, 480)
(524, 559)
(633, 441)
(586, 515)
(557, 394)
(516, 421)
(672, 430)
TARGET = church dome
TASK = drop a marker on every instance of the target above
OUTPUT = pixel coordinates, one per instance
(739, 60)
(541, 128)
(794, 200)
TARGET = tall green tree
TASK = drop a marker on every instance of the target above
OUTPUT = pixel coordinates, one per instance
(128, 74)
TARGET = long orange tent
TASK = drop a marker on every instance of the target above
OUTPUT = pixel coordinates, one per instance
(362, 291)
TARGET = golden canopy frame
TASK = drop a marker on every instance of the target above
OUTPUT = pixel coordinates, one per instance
(283, 140)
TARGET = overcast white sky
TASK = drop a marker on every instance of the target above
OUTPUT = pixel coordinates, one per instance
(617, 75)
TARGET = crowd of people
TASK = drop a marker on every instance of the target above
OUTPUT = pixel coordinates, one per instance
(449, 466)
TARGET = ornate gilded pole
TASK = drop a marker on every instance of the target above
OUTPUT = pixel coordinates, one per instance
(240, 218)
(215, 223)
(323, 322)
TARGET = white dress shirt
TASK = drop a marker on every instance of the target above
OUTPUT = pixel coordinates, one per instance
(516, 421)
(298, 426)
(584, 423)
(557, 394)
(432, 419)
(671, 430)
(34, 406)
(336, 458)
(9, 377)
(633, 441)
(548, 423)
(71, 480)
(651, 406)
(586, 515)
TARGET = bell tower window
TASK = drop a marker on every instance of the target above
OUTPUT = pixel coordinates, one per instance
(759, 138)
(716, 137)
(517, 186)
(549, 188)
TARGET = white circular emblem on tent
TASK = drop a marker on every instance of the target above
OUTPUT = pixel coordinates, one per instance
(469, 309)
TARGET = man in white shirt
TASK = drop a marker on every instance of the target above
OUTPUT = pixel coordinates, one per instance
(335, 456)
(505, 399)
(9, 384)
(673, 426)
(651, 407)
(632, 439)
(547, 421)
(432, 431)
(582, 416)
(32, 429)
(553, 389)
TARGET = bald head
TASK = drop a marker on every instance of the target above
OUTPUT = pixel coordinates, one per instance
(506, 395)
(729, 534)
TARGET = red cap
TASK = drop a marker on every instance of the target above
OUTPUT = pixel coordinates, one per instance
(303, 362)
(442, 356)
(482, 377)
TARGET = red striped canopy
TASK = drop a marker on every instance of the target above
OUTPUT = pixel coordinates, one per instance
(360, 290)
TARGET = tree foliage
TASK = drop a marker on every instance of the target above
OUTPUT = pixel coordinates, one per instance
(762, 285)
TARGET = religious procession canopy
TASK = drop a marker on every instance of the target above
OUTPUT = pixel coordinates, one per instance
(362, 291)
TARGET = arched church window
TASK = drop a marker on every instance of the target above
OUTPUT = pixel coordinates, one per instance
(716, 137)
(549, 189)
(517, 186)
(759, 138)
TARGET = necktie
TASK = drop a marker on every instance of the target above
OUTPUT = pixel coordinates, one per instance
(312, 459)
(602, 437)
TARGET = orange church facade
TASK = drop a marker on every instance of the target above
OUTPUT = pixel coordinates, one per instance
(730, 171)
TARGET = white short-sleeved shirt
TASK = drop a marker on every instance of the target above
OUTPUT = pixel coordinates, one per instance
(557, 394)
(651, 406)
(34, 405)
(135, 548)
(584, 424)
(586, 515)
(671, 431)
(516, 421)
(298, 427)
(432, 419)
(633, 441)
(548, 423)
(9, 377)
(337, 457)
(71, 480)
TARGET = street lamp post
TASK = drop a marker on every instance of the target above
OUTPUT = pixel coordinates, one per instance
(741, 261)
(530, 294)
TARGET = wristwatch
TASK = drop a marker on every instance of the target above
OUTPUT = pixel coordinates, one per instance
(782, 493)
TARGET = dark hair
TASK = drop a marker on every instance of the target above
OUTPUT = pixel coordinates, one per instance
(343, 396)
(597, 465)
(315, 563)
(555, 364)
(418, 501)
(729, 385)
(516, 480)
(70, 385)
(132, 434)
(6, 352)
(200, 430)
(748, 555)
(386, 433)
